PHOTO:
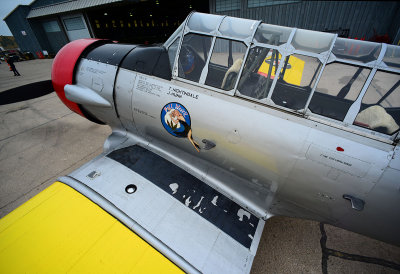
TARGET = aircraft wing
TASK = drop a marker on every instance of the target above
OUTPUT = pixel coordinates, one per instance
(151, 216)
(60, 230)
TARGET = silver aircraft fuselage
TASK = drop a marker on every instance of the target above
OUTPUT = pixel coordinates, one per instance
(268, 154)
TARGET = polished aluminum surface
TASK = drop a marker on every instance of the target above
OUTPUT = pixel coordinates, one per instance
(268, 158)
(182, 235)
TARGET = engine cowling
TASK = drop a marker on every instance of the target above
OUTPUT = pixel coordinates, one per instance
(85, 71)
(63, 69)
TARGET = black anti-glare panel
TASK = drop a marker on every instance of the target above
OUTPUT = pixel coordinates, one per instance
(111, 54)
(149, 60)
(204, 200)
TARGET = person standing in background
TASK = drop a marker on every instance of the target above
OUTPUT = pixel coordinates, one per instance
(10, 61)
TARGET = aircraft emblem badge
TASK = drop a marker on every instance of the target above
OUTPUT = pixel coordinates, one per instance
(176, 120)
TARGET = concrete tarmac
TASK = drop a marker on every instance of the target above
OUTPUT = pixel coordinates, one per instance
(41, 140)
(31, 71)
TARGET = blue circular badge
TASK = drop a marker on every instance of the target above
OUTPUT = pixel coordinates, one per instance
(176, 120)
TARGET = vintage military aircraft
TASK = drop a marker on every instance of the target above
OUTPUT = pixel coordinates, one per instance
(228, 123)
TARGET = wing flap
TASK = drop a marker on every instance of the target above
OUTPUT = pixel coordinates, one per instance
(195, 221)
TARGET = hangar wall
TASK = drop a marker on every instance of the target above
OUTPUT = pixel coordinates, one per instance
(152, 21)
(54, 23)
(352, 19)
(22, 30)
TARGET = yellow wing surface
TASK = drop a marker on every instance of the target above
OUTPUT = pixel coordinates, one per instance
(293, 73)
(60, 230)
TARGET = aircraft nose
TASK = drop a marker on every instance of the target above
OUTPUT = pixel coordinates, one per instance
(64, 65)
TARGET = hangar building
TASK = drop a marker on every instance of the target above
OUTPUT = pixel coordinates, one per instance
(50, 24)
(47, 25)
(368, 20)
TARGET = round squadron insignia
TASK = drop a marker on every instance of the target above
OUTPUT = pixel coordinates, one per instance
(176, 120)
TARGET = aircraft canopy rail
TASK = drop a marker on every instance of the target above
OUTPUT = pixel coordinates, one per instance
(350, 84)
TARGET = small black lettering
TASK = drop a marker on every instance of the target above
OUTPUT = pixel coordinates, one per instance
(179, 92)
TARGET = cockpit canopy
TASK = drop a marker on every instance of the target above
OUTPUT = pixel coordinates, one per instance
(348, 83)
